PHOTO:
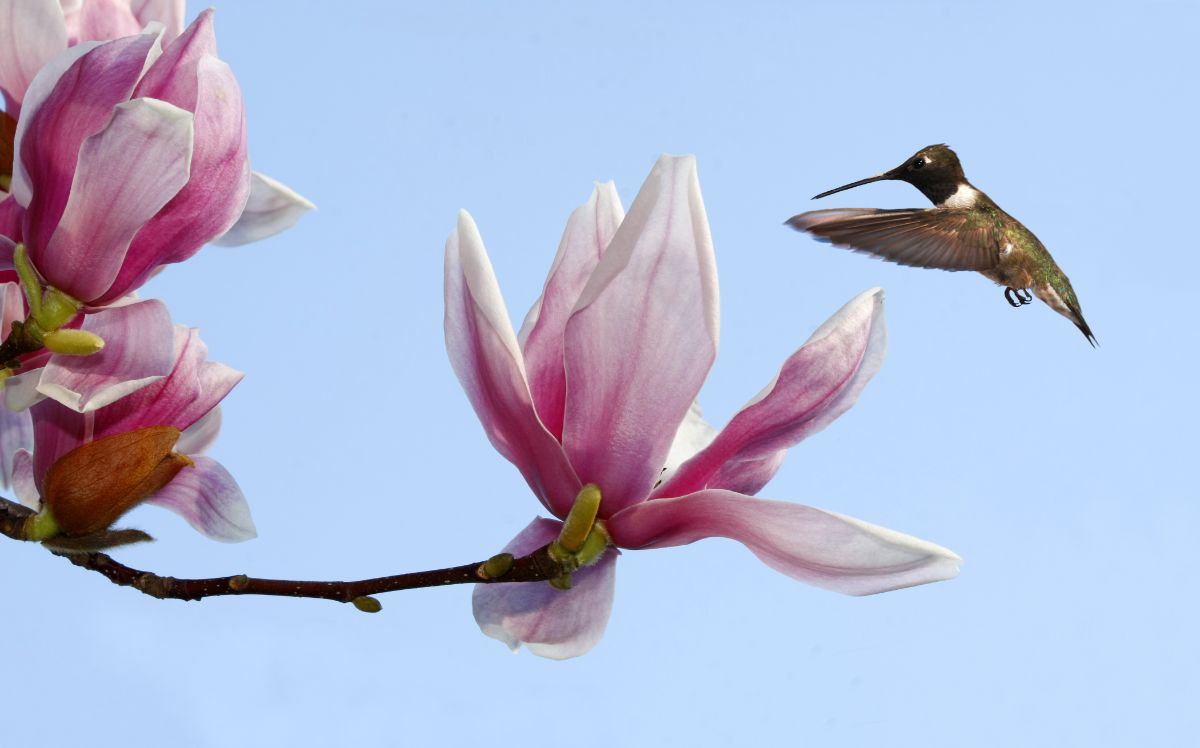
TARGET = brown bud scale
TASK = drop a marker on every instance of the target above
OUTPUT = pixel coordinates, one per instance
(90, 487)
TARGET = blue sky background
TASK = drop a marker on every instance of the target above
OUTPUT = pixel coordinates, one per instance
(1063, 475)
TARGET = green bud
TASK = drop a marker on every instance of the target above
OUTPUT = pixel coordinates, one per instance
(73, 342)
(582, 516)
(57, 309)
(368, 604)
(561, 583)
(495, 567)
(594, 547)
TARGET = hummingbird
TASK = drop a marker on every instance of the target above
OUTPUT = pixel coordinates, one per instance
(964, 230)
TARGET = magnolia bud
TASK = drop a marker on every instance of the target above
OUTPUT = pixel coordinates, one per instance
(91, 486)
(73, 342)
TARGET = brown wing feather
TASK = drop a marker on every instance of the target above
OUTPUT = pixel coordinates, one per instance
(946, 238)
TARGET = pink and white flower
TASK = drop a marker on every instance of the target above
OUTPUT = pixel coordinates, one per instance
(204, 494)
(127, 160)
(33, 33)
(599, 388)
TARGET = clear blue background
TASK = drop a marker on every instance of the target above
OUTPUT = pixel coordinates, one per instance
(1063, 475)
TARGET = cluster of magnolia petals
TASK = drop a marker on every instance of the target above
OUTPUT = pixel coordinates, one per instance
(39, 34)
(88, 469)
(599, 387)
(128, 158)
(122, 150)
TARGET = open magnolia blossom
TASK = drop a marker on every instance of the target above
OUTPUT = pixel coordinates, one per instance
(34, 32)
(128, 158)
(180, 412)
(599, 387)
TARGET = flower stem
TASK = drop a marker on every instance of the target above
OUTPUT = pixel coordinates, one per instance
(537, 566)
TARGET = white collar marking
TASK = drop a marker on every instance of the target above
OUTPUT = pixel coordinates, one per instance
(963, 197)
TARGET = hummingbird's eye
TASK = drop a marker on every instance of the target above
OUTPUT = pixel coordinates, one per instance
(918, 163)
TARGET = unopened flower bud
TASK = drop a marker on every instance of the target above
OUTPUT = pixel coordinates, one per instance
(368, 604)
(73, 342)
(495, 567)
(91, 486)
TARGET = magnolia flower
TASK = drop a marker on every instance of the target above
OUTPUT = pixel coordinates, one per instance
(125, 163)
(600, 384)
(35, 32)
(181, 406)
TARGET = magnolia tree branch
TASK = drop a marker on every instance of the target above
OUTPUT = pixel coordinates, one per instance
(535, 567)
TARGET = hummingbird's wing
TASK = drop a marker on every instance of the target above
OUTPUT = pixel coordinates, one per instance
(946, 238)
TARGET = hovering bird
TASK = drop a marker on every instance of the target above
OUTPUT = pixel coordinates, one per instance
(964, 230)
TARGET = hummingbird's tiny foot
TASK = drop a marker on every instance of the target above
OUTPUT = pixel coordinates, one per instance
(1017, 297)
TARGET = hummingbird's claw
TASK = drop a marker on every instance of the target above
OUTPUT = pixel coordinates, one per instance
(1017, 297)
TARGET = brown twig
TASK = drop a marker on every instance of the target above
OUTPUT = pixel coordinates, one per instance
(12, 518)
(18, 342)
(535, 567)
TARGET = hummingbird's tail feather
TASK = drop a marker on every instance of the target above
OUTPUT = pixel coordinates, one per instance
(1082, 324)
(1064, 301)
(1076, 314)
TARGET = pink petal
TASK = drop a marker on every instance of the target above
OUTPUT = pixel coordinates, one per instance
(642, 338)
(208, 497)
(589, 230)
(201, 435)
(42, 86)
(817, 384)
(138, 350)
(23, 485)
(172, 77)
(106, 19)
(56, 431)
(16, 433)
(216, 192)
(193, 388)
(127, 172)
(484, 354)
(169, 13)
(693, 435)
(31, 33)
(271, 208)
(12, 302)
(11, 214)
(71, 98)
(822, 548)
(552, 623)
(20, 391)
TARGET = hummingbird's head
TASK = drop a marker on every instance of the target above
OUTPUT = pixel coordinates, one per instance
(934, 170)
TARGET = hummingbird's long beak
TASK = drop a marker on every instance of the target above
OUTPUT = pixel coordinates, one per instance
(859, 183)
